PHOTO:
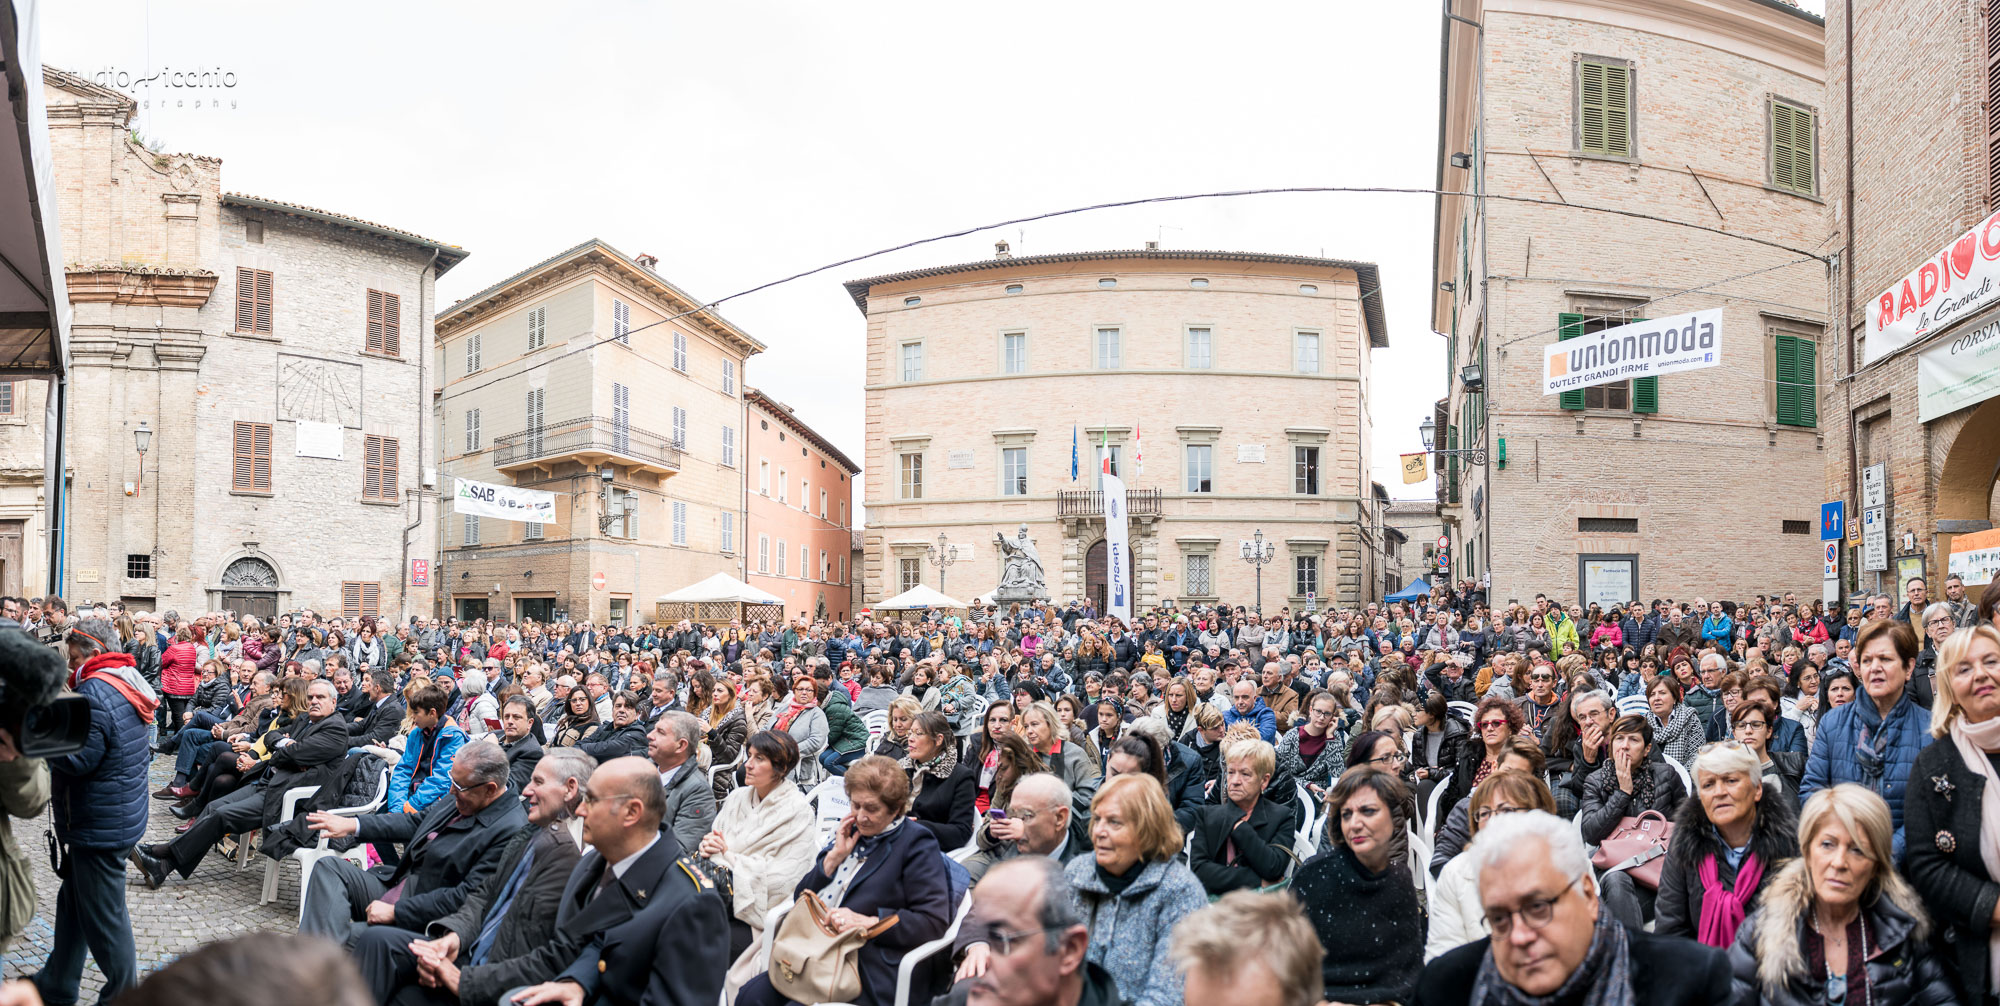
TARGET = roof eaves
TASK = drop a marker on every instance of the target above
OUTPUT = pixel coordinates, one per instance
(785, 415)
(447, 255)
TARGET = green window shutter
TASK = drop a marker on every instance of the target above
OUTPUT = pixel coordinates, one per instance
(1569, 326)
(1792, 151)
(1645, 394)
(1807, 378)
(1451, 464)
(1797, 376)
(1604, 108)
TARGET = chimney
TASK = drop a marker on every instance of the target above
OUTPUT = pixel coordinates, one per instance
(1152, 246)
(1001, 250)
(647, 260)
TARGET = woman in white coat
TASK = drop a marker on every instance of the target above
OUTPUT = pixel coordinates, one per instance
(1457, 918)
(764, 836)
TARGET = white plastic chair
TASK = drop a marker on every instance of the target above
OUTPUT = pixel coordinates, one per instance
(829, 800)
(1687, 781)
(1462, 709)
(307, 857)
(1429, 830)
(742, 755)
(964, 852)
(877, 722)
(1307, 840)
(1420, 857)
(925, 951)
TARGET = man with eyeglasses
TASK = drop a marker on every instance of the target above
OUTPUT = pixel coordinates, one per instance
(1593, 712)
(1549, 928)
(1540, 703)
(1032, 939)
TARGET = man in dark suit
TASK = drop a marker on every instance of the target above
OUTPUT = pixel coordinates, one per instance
(475, 953)
(637, 924)
(690, 807)
(517, 738)
(352, 700)
(381, 715)
(308, 756)
(1535, 876)
(453, 846)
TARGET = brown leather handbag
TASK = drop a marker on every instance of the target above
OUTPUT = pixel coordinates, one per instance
(812, 961)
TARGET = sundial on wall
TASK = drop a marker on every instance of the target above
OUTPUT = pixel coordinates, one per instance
(319, 391)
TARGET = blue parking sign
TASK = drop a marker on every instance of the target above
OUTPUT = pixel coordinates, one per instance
(1833, 520)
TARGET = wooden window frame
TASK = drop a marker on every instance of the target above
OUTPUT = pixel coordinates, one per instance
(1581, 106)
(1778, 152)
(1791, 353)
(382, 465)
(360, 598)
(250, 467)
(385, 324)
(255, 295)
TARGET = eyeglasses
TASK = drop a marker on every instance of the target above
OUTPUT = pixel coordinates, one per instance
(1536, 912)
(1728, 745)
(1483, 724)
(1486, 813)
(1940, 620)
(1004, 942)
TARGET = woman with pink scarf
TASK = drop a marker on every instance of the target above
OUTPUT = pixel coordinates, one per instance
(1728, 842)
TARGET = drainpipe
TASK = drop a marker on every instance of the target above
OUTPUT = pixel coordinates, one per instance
(1847, 285)
(423, 420)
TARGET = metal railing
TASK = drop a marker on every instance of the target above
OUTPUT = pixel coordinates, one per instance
(1090, 502)
(588, 435)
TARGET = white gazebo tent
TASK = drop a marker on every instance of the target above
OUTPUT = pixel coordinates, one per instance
(919, 596)
(717, 601)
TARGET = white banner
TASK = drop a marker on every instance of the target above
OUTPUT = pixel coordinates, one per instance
(1959, 372)
(1117, 553)
(1960, 279)
(484, 499)
(1641, 349)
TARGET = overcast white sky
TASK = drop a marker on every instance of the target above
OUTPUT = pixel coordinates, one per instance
(748, 140)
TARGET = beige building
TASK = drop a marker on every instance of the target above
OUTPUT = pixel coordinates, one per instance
(590, 376)
(1415, 528)
(1229, 389)
(1671, 112)
(246, 395)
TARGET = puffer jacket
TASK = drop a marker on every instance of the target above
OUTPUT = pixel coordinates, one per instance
(214, 696)
(1893, 742)
(1774, 839)
(145, 658)
(845, 733)
(180, 671)
(1768, 960)
(1604, 804)
(98, 794)
(1129, 932)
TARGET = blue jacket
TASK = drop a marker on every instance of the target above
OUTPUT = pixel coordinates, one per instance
(1883, 765)
(437, 781)
(1718, 629)
(1261, 714)
(97, 796)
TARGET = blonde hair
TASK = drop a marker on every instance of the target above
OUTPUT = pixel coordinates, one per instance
(1957, 647)
(1147, 813)
(1245, 926)
(1262, 757)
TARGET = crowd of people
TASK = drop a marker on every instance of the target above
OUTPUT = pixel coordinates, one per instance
(1691, 801)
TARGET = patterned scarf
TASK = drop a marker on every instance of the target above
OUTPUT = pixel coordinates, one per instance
(1603, 979)
(940, 766)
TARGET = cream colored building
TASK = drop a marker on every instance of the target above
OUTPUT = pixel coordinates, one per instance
(1243, 377)
(585, 364)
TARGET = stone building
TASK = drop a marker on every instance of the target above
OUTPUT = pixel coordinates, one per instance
(1671, 112)
(258, 350)
(590, 376)
(1230, 391)
(1409, 555)
(1919, 168)
(800, 502)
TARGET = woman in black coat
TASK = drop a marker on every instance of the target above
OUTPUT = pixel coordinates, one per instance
(1944, 808)
(1733, 804)
(942, 788)
(1246, 841)
(1629, 783)
(624, 735)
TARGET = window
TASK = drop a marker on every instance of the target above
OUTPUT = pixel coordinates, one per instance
(621, 321)
(1013, 288)
(1607, 525)
(1014, 352)
(472, 353)
(840, 563)
(7, 393)
(729, 446)
(385, 323)
(621, 419)
(534, 412)
(764, 477)
(680, 430)
(383, 464)
(1794, 166)
(1198, 283)
(912, 301)
(782, 482)
(825, 568)
(1305, 352)
(471, 534)
(253, 301)
(763, 553)
(251, 471)
(471, 430)
(805, 496)
(538, 328)
(680, 522)
(1107, 284)
(912, 572)
(1200, 349)
(1305, 470)
(1108, 348)
(1604, 107)
(1200, 468)
(911, 476)
(360, 599)
(1308, 289)
(728, 530)
(805, 563)
(822, 504)
(1198, 582)
(1013, 471)
(1795, 527)
(843, 513)
(781, 557)
(1098, 454)
(531, 531)
(913, 361)
(624, 505)
(1641, 395)
(139, 566)
(681, 352)
(1305, 575)
(729, 378)
(1797, 381)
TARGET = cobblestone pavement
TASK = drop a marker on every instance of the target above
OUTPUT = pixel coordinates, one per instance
(218, 902)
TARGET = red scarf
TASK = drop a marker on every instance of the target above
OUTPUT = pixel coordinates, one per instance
(98, 666)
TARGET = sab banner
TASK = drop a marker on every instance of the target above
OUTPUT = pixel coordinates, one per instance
(1956, 281)
(1117, 554)
(484, 499)
(1952, 375)
(1975, 558)
(1641, 349)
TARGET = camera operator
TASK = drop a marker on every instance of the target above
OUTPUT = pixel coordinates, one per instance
(24, 791)
(99, 804)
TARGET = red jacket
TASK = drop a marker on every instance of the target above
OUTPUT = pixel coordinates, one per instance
(178, 674)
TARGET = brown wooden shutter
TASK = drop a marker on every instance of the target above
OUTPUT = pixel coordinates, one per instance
(381, 481)
(385, 321)
(250, 470)
(350, 599)
(263, 302)
(246, 300)
(241, 478)
(371, 599)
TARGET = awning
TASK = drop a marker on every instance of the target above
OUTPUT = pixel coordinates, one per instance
(1416, 591)
(34, 302)
(720, 587)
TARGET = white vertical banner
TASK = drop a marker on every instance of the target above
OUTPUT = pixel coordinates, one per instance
(1117, 554)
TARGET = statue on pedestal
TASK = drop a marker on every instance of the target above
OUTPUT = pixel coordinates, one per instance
(1022, 577)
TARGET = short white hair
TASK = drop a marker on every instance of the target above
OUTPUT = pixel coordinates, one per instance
(1501, 838)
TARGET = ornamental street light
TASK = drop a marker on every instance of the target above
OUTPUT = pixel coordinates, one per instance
(941, 555)
(1258, 552)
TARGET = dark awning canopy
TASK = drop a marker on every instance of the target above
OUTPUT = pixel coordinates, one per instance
(34, 305)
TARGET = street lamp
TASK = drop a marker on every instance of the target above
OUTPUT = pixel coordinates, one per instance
(1258, 552)
(1428, 430)
(941, 555)
(142, 438)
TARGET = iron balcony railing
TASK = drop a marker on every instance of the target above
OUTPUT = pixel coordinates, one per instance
(585, 436)
(1090, 502)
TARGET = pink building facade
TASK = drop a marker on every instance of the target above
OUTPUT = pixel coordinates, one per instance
(801, 509)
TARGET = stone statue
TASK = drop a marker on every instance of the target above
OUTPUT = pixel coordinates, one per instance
(1022, 577)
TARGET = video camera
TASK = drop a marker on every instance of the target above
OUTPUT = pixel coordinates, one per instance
(43, 721)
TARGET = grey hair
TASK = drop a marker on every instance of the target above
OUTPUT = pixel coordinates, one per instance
(1937, 608)
(570, 764)
(1059, 909)
(684, 725)
(486, 762)
(1609, 702)
(1154, 727)
(1819, 648)
(1722, 760)
(473, 683)
(1049, 785)
(1502, 836)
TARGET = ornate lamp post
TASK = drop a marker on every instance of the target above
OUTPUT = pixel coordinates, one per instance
(1258, 552)
(941, 555)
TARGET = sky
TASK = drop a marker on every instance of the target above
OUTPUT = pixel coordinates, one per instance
(745, 141)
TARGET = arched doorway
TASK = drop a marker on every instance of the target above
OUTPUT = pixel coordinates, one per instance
(250, 587)
(1096, 572)
(1965, 481)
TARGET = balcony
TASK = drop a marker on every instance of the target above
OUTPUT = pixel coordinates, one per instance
(590, 441)
(1090, 502)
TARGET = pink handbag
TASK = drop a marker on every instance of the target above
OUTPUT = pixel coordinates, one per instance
(1638, 846)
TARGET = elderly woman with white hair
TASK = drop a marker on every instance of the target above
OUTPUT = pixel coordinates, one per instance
(1940, 621)
(1728, 843)
(482, 713)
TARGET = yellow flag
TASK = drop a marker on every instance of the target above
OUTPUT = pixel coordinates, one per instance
(1416, 468)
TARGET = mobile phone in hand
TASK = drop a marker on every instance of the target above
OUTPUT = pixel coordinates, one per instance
(996, 813)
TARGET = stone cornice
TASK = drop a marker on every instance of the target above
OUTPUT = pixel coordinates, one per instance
(105, 285)
(176, 354)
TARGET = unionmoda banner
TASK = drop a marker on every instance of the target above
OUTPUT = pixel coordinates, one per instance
(1965, 370)
(1117, 553)
(1641, 349)
(1958, 280)
(484, 499)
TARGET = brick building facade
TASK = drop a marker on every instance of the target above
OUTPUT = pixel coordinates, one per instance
(274, 355)
(800, 502)
(585, 365)
(1670, 111)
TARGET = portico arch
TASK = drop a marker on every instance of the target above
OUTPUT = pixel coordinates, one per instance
(250, 582)
(1965, 480)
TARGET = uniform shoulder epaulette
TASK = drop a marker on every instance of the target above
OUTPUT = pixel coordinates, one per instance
(701, 883)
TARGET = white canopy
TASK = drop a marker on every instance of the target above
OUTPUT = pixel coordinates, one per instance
(720, 587)
(918, 596)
